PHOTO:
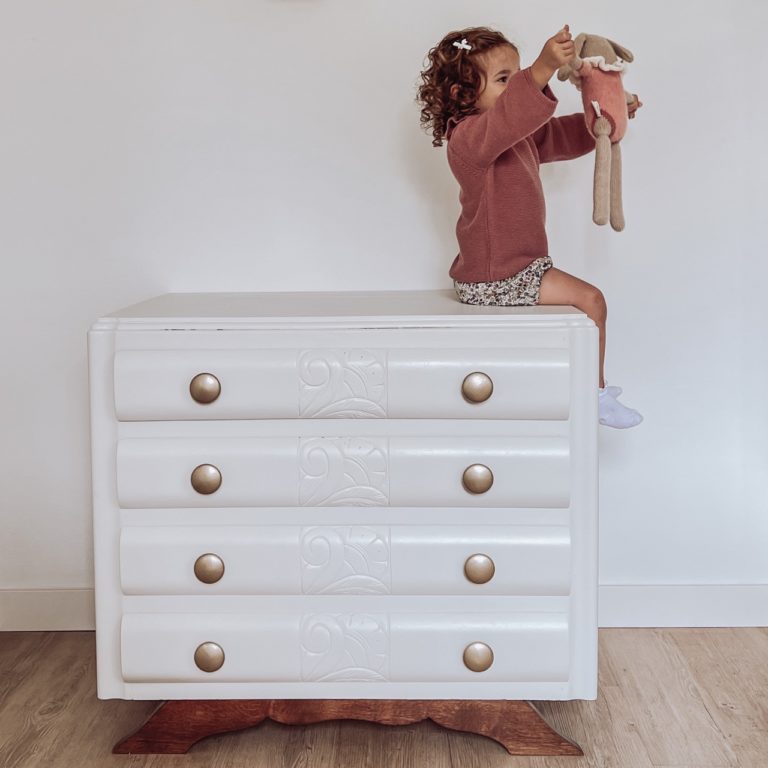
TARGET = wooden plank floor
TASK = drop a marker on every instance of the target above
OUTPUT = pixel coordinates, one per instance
(668, 697)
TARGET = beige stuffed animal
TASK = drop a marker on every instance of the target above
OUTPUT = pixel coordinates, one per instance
(597, 71)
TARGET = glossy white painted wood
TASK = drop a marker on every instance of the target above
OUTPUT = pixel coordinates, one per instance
(331, 309)
(344, 471)
(265, 383)
(341, 434)
(345, 560)
(370, 647)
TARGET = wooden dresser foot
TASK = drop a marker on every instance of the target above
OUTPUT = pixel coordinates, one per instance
(176, 725)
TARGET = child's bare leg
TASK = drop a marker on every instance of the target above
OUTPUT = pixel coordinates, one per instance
(558, 287)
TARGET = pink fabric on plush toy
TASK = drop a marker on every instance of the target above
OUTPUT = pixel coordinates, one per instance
(607, 90)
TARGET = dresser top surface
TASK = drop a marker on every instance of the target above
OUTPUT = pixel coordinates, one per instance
(339, 308)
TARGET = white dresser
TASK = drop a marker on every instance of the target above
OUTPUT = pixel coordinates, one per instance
(344, 495)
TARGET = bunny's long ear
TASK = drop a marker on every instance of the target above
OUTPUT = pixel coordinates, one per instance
(579, 43)
(621, 51)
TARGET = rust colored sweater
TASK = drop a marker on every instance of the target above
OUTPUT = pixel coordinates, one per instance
(495, 158)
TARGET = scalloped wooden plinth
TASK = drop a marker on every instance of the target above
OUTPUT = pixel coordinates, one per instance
(176, 725)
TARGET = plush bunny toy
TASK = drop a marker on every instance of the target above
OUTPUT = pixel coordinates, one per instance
(597, 71)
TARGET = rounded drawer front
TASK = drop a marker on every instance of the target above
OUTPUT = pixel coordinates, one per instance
(341, 646)
(453, 471)
(154, 384)
(509, 383)
(345, 560)
(478, 383)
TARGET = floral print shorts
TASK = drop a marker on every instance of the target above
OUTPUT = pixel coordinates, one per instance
(520, 289)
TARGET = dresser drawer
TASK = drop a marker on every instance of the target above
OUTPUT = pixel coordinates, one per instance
(344, 647)
(345, 560)
(509, 383)
(459, 470)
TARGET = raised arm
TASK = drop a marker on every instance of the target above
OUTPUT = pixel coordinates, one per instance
(520, 109)
(524, 106)
(563, 138)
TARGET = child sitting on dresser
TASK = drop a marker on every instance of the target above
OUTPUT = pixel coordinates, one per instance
(498, 121)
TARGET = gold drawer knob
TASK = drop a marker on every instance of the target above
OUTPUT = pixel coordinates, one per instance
(209, 568)
(204, 388)
(477, 478)
(209, 657)
(206, 478)
(478, 657)
(479, 568)
(477, 387)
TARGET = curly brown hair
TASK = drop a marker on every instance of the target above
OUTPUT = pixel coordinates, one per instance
(449, 64)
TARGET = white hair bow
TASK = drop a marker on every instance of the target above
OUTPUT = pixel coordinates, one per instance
(463, 44)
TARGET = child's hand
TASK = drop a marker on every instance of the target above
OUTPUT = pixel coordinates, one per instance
(633, 106)
(558, 50)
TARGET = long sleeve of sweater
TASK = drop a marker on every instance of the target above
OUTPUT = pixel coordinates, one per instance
(495, 157)
(521, 108)
(563, 138)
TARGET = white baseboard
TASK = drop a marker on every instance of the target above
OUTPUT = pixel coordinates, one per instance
(25, 610)
(620, 605)
(683, 605)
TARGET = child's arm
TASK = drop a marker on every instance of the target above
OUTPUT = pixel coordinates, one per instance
(520, 109)
(563, 138)
(525, 104)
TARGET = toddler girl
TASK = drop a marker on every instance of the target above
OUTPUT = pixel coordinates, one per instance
(498, 121)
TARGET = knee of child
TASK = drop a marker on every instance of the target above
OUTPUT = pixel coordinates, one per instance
(595, 305)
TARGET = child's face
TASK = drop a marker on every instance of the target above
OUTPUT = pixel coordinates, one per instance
(497, 64)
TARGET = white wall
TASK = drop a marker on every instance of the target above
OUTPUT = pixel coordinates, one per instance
(149, 146)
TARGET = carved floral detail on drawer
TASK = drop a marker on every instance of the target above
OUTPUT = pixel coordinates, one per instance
(344, 647)
(345, 560)
(343, 471)
(344, 384)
